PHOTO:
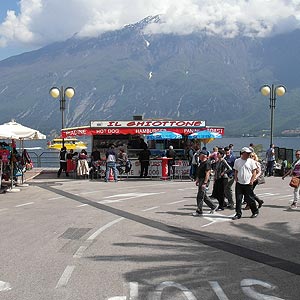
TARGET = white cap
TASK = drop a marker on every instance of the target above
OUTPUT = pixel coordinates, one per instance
(171, 147)
(246, 149)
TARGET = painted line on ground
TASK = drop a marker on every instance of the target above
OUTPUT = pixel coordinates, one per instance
(63, 281)
(130, 196)
(82, 205)
(170, 203)
(3, 209)
(150, 208)
(90, 239)
(218, 290)
(286, 265)
(55, 198)
(4, 286)
(29, 203)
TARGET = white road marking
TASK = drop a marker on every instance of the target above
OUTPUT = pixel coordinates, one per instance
(129, 196)
(216, 220)
(218, 290)
(91, 192)
(3, 209)
(82, 205)
(29, 203)
(170, 203)
(133, 195)
(90, 239)
(159, 289)
(286, 196)
(57, 198)
(134, 290)
(63, 281)
(101, 229)
(267, 194)
(150, 208)
(4, 286)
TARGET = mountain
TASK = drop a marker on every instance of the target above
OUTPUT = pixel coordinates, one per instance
(127, 72)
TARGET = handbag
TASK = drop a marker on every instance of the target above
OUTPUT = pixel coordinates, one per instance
(261, 179)
(295, 182)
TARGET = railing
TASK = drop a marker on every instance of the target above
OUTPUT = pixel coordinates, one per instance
(45, 159)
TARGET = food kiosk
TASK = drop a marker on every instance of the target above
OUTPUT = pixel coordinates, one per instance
(130, 135)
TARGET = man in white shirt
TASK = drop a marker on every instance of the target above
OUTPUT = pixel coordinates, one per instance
(244, 175)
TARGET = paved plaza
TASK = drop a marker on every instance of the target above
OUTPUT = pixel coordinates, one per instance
(136, 239)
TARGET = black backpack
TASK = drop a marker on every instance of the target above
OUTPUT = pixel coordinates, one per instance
(128, 166)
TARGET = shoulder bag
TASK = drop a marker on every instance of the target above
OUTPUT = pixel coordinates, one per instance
(295, 182)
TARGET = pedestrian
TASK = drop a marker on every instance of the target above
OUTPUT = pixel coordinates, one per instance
(171, 154)
(295, 171)
(144, 158)
(111, 163)
(251, 147)
(202, 178)
(244, 175)
(270, 156)
(121, 160)
(255, 183)
(190, 153)
(222, 168)
(62, 162)
(82, 164)
(229, 157)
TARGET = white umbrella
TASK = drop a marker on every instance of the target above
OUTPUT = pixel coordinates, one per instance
(21, 132)
(7, 134)
(14, 130)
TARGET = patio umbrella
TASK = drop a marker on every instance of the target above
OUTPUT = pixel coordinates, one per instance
(205, 136)
(17, 131)
(6, 134)
(164, 135)
(21, 132)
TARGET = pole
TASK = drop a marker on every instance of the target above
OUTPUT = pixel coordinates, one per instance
(272, 107)
(62, 108)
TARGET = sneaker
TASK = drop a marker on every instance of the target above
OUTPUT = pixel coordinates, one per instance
(260, 203)
(254, 216)
(197, 213)
(212, 211)
(294, 205)
(236, 217)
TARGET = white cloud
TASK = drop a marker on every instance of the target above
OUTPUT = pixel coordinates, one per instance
(44, 21)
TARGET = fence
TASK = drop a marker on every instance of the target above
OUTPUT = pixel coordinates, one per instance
(46, 159)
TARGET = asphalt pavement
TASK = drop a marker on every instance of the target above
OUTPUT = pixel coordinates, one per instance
(65, 238)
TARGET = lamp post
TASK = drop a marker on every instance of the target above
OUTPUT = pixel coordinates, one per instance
(62, 93)
(272, 91)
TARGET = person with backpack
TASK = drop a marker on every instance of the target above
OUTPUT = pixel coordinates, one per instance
(111, 163)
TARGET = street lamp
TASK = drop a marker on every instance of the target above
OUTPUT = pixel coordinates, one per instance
(272, 91)
(69, 92)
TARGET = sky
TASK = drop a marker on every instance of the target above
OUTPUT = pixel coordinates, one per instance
(26, 25)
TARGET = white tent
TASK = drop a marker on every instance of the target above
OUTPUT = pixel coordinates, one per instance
(21, 132)
(14, 130)
(7, 134)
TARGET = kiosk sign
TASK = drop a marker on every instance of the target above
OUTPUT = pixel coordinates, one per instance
(147, 124)
(139, 127)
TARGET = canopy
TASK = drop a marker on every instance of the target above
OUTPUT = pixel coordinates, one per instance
(21, 132)
(205, 136)
(7, 134)
(164, 135)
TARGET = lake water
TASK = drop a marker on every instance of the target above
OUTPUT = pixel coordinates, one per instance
(39, 156)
